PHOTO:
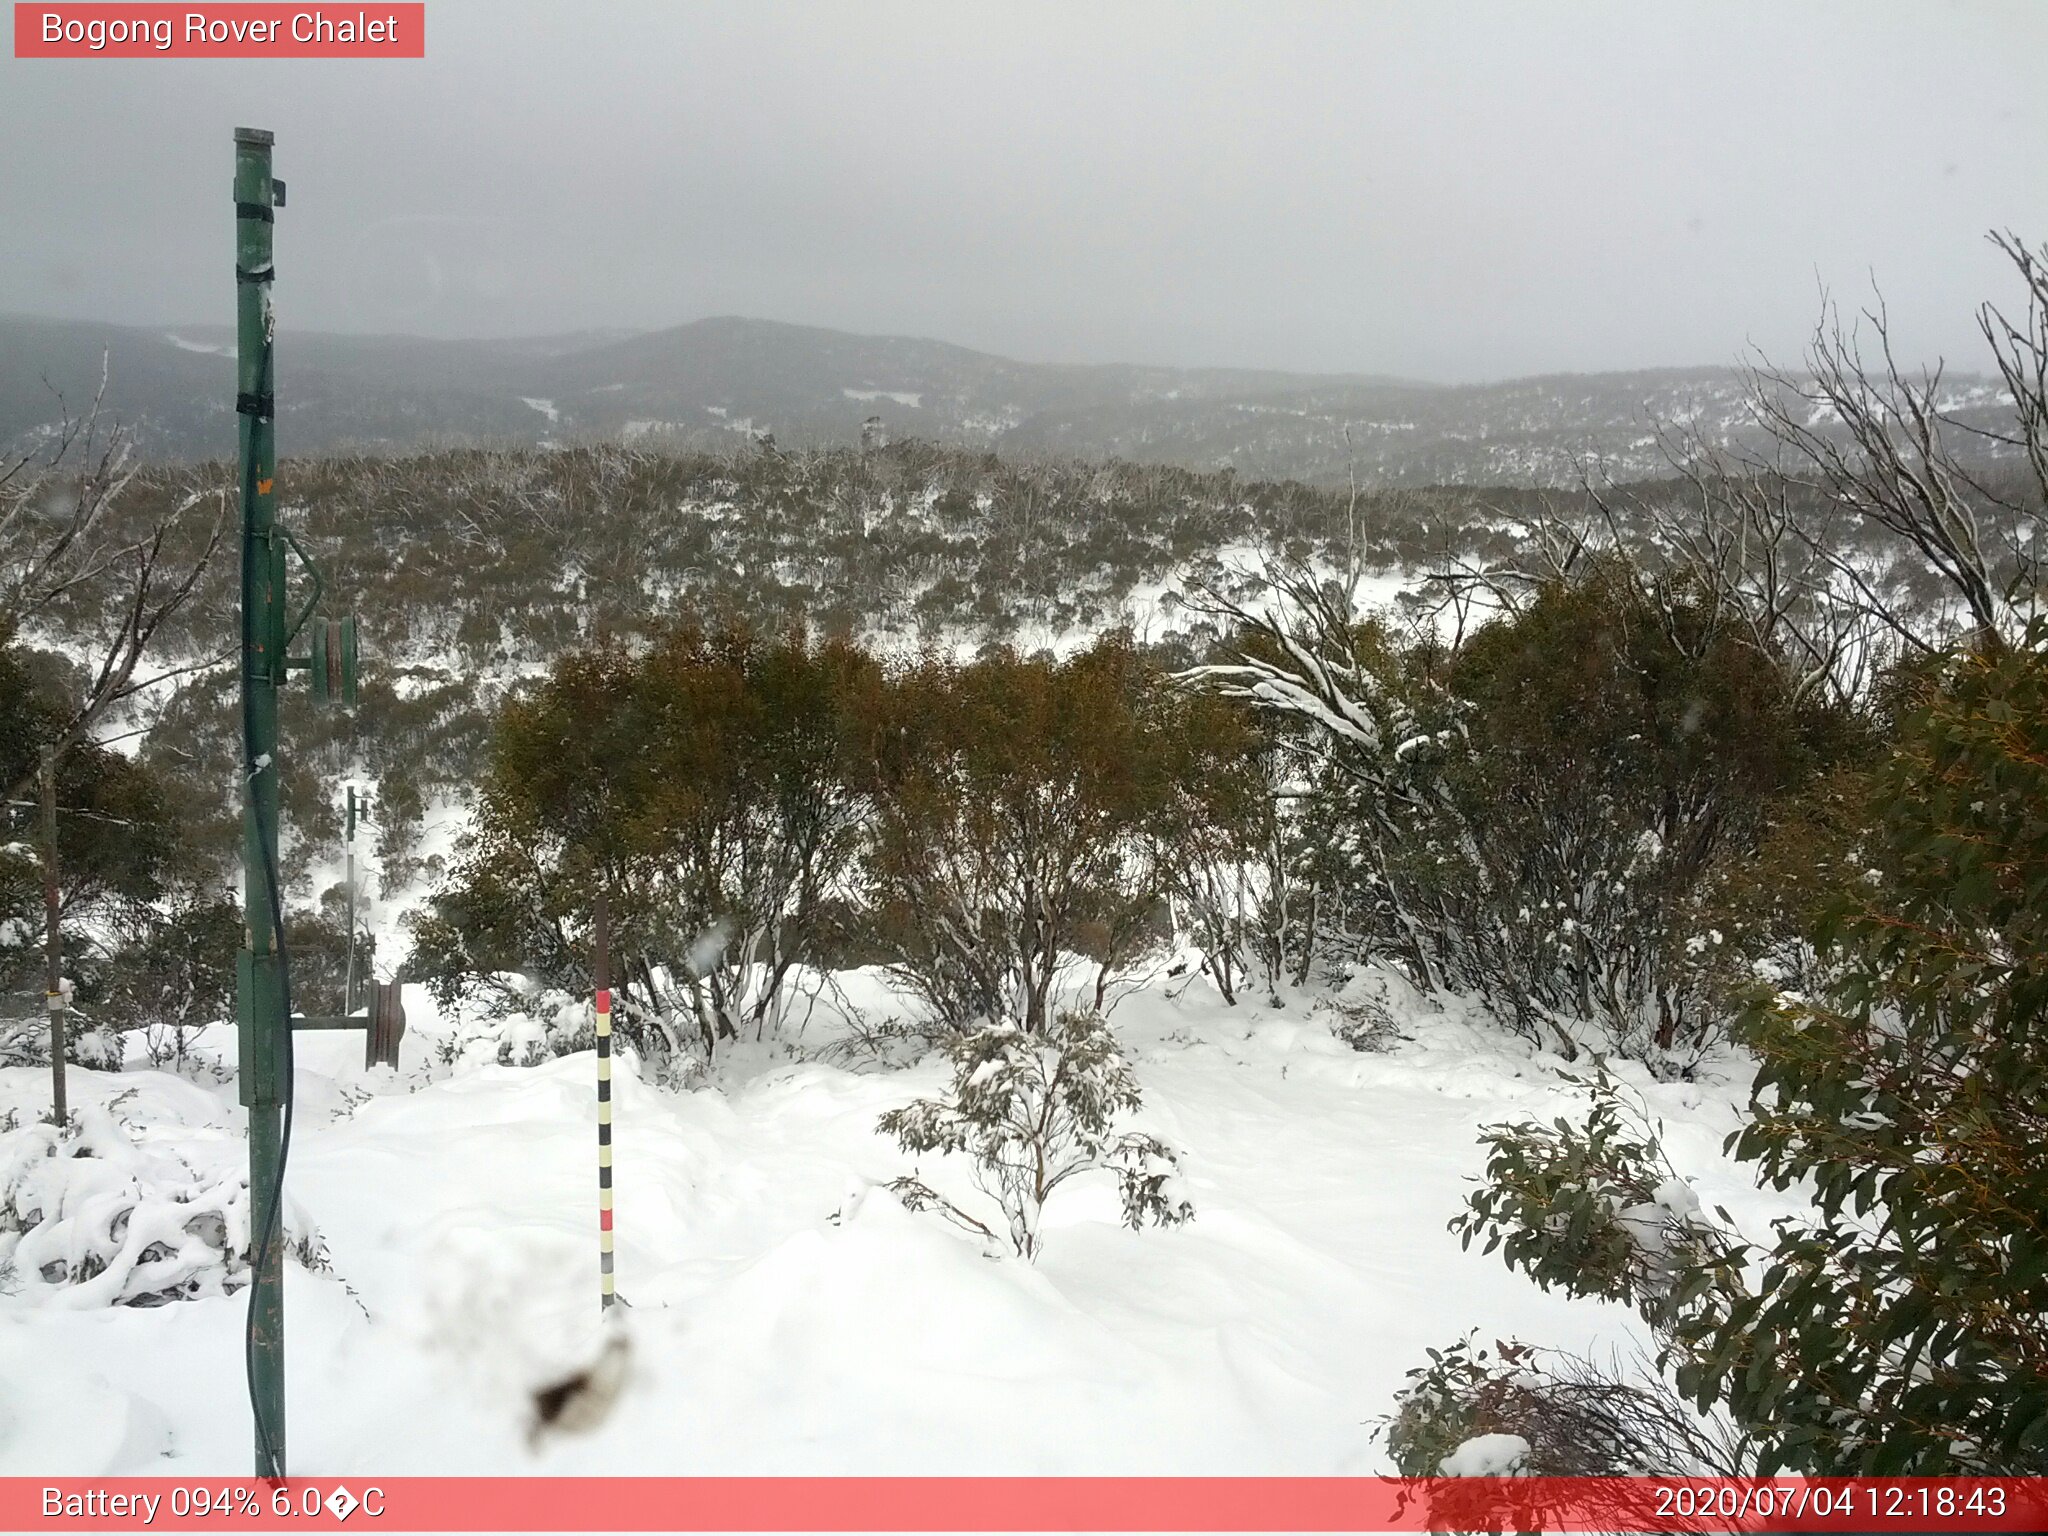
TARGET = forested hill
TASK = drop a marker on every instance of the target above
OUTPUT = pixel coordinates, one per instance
(713, 383)
(471, 570)
(500, 558)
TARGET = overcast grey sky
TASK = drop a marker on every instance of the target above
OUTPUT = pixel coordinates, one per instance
(1446, 190)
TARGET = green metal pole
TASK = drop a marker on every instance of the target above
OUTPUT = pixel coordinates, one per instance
(264, 1029)
(348, 984)
(53, 939)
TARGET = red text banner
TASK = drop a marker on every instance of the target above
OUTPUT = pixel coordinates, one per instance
(217, 31)
(1027, 1504)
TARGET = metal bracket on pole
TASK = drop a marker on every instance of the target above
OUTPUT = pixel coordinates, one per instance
(384, 1023)
(319, 585)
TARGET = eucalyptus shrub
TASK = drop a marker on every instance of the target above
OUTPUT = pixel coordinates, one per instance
(1901, 1325)
(1537, 816)
(697, 781)
(1580, 1418)
(1912, 1098)
(1034, 1110)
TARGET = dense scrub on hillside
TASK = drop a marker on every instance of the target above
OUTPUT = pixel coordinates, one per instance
(473, 570)
(1551, 816)
(470, 570)
(1566, 800)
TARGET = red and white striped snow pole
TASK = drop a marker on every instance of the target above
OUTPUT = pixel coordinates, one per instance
(603, 981)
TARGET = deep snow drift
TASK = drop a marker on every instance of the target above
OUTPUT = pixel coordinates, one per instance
(786, 1314)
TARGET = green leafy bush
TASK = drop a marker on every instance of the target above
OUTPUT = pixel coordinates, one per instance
(1578, 1417)
(1034, 1110)
(1021, 811)
(1902, 1326)
(700, 783)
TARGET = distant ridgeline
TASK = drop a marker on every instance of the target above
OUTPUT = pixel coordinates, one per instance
(714, 383)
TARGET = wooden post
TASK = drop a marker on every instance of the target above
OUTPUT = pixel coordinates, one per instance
(53, 938)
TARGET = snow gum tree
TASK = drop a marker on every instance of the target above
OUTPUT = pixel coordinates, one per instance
(1033, 1111)
(118, 849)
(1018, 812)
(1621, 748)
(700, 784)
(1352, 734)
(1221, 842)
(77, 557)
(1902, 1326)
(1532, 815)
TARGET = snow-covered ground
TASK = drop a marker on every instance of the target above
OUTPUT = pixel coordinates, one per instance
(786, 1313)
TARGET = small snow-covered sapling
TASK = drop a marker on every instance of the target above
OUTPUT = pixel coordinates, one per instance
(1033, 1111)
